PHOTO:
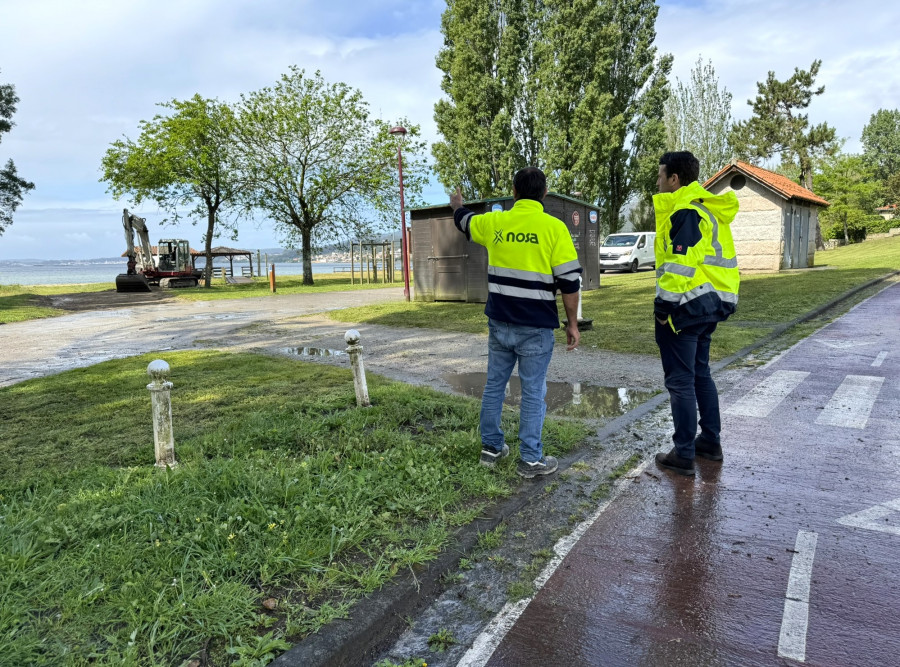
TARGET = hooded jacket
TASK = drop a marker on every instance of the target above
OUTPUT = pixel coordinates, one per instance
(697, 277)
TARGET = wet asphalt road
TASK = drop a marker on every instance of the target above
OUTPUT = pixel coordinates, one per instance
(42, 347)
(787, 553)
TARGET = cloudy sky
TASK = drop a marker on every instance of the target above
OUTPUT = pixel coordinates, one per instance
(86, 73)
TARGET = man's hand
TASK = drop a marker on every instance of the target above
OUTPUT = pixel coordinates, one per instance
(573, 335)
(456, 199)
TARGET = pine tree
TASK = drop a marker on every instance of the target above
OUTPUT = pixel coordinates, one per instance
(778, 127)
(12, 188)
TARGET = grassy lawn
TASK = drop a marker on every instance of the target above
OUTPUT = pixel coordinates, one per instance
(23, 302)
(287, 505)
(623, 313)
(324, 282)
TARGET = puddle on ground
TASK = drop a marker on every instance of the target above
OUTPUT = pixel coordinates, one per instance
(569, 399)
(314, 352)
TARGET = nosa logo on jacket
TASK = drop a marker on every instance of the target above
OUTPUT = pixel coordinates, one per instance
(512, 237)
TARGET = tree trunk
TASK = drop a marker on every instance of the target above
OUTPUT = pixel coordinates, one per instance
(846, 235)
(210, 226)
(306, 234)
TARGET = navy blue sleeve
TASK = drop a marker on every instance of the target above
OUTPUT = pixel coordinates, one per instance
(461, 218)
(685, 231)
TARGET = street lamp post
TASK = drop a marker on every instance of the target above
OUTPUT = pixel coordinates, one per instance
(404, 251)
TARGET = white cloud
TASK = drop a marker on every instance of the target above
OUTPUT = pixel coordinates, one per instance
(87, 72)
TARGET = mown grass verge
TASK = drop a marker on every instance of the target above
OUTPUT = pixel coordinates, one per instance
(287, 505)
(324, 282)
(26, 302)
(622, 309)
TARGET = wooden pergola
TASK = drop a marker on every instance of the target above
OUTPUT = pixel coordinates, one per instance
(222, 251)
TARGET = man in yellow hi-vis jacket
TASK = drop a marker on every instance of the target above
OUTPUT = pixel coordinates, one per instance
(530, 256)
(697, 283)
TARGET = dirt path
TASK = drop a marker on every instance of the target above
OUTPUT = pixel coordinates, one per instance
(107, 325)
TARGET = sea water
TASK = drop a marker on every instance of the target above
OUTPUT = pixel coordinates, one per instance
(36, 272)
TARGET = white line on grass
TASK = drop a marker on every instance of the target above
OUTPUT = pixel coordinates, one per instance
(487, 642)
(792, 642)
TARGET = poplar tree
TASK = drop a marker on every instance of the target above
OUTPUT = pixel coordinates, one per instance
(698, 119)
(487, 119)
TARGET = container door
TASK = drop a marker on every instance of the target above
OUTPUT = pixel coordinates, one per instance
(449, 254)
(804, 233)
(799, 238)
(788, 240)
(591, 275)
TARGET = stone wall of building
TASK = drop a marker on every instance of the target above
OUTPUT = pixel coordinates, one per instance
(758, 227)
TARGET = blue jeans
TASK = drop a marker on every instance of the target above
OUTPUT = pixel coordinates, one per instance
(685, 360)
(532, 348)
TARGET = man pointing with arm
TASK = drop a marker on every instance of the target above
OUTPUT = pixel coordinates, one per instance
(530, 257)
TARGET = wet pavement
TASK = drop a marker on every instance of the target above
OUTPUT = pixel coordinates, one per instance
(786, 553)
(570, 399)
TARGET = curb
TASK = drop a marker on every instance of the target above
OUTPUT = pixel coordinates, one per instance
(379, 618)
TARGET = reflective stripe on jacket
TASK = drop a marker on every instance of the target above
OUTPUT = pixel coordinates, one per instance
(697, 276)
(530, 256)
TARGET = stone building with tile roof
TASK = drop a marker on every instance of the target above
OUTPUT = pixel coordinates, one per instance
(776, 226)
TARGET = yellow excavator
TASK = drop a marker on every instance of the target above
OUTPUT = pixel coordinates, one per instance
(170, 267)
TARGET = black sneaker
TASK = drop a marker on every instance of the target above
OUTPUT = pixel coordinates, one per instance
(675, 463)
(545, 466)
(489, 457)
(708, 450)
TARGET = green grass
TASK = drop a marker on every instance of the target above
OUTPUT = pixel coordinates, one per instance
(23, 302)
(622, 309)
(284, 491)
(326, 282)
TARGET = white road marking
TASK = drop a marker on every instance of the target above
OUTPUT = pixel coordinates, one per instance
(842, 344)
(873, 518)
(792, 641)
(487, 642)
(852, 403)
(879, 359)
(766, 396)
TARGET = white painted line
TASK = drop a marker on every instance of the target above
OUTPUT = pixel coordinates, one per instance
(852, 403)
(792, 641)
(487, 642)
(879, 359)
(874, 518)
(768, 394)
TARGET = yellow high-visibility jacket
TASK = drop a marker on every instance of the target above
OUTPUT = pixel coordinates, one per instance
(530, 256)
(697, 276)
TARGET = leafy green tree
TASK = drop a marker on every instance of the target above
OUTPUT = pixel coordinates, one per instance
(12, 187)
(698, 119)
(778, 127)
(892, 191)
(881, 142)
(487, 120)
(849, 185)
(180, 161)
(641, 216)
(317, 164)
(601, 107)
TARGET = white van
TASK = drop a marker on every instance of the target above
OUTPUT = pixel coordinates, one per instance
(627, 252)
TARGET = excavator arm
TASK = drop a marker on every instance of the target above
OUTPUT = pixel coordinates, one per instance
(132, 280)
(135, 225)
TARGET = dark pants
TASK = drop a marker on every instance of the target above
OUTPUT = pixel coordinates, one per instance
(685, 360)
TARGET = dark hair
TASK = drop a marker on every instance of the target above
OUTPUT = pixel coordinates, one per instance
(682, 163)
(530, 183)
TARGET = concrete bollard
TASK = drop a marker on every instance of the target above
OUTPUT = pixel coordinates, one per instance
(355, 350)
(161, 402)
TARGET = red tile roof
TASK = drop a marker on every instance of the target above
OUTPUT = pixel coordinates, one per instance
(889, 207)
(781, 185)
